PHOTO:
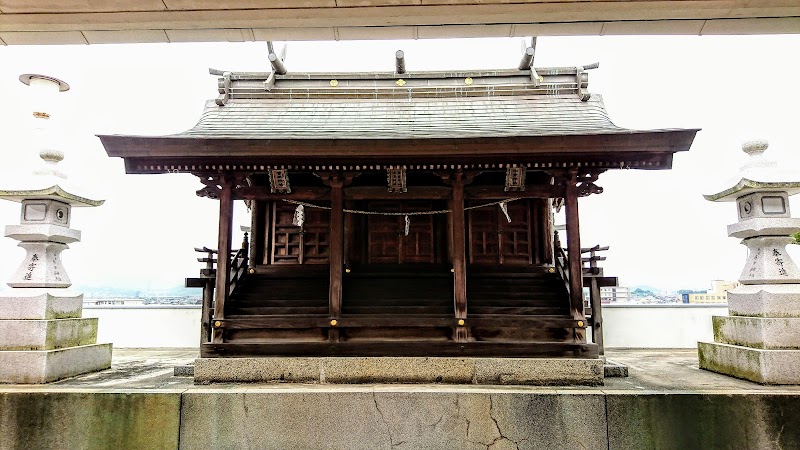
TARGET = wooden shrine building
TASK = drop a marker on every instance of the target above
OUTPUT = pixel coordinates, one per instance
(400, 214)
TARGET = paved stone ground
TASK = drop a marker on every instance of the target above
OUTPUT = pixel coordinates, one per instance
(649, 369)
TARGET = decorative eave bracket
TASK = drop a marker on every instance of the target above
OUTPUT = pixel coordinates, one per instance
(583, 94)
(224, 88)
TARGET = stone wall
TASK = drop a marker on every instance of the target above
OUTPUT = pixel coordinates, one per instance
(397, 417)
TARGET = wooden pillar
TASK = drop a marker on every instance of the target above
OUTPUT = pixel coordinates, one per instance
(597, 315)
(459, 254)
(255, 233)
(205, 311)
(224, 251)
(574, 255)
(336, 253)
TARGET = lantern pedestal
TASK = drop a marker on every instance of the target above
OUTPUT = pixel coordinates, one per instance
(760, 338)
(42, 335)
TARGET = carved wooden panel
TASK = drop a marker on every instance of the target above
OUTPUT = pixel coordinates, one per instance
(295, 245)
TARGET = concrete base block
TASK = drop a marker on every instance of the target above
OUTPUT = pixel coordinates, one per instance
(759, 365)
(392, 418)
(765, 300)
(40, 304)
(532, 371)
(47, 334)
(89, 420)
(758, 332)
(615, 370)
(44, 366)
(538, 371)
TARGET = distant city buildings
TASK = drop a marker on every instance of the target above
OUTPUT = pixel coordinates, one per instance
(717, 294)
(113, 302)
(615, 294)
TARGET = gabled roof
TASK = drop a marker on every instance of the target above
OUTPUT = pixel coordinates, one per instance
(546, 113)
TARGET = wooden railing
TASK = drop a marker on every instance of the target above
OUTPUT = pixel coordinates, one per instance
(239, 264)
(592, 278)
(207, 281)
(561, 261)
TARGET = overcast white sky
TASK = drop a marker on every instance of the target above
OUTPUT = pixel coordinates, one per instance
(661, 231)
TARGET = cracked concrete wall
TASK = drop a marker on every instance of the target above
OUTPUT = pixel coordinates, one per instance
(89, 420)
(398, 417)
(708, 421)
(393, 420)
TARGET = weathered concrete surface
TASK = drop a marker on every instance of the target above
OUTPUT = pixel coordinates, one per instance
(89, 420)
(40, 304)
(44, 366)
(758, 332)
(516, 371)
(765, 300)
(404, 419)
(666, 403)
(759, 365)
(730, 420)
(47, 334)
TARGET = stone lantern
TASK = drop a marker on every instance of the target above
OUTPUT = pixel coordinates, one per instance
(760, 338)
(42, 335)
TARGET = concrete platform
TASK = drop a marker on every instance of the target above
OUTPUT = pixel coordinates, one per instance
(348, 370)
(667, 402)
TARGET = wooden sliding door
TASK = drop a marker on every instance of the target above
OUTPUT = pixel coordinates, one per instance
(387, 242)
(291, 244)
(494, 240)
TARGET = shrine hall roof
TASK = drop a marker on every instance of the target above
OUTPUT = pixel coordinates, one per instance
(264, 114)
(426, 105)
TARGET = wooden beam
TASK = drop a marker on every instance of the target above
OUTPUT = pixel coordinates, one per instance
(457, 224)
(336, 252)
(227, 183)
(399, 62)
(574, 254)
(404, 348)
(394, 321)
(263, 193)
(497, 192)
(381, 193)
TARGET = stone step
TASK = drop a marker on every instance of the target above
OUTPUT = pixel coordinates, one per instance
(47, 334)
(44, 366)
(765, 300)
(40, 304)
(758, 332)
(753, 364)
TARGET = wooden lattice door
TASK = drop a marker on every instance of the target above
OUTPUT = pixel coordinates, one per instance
(295, 245)
(494, 240)
(387, 242)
